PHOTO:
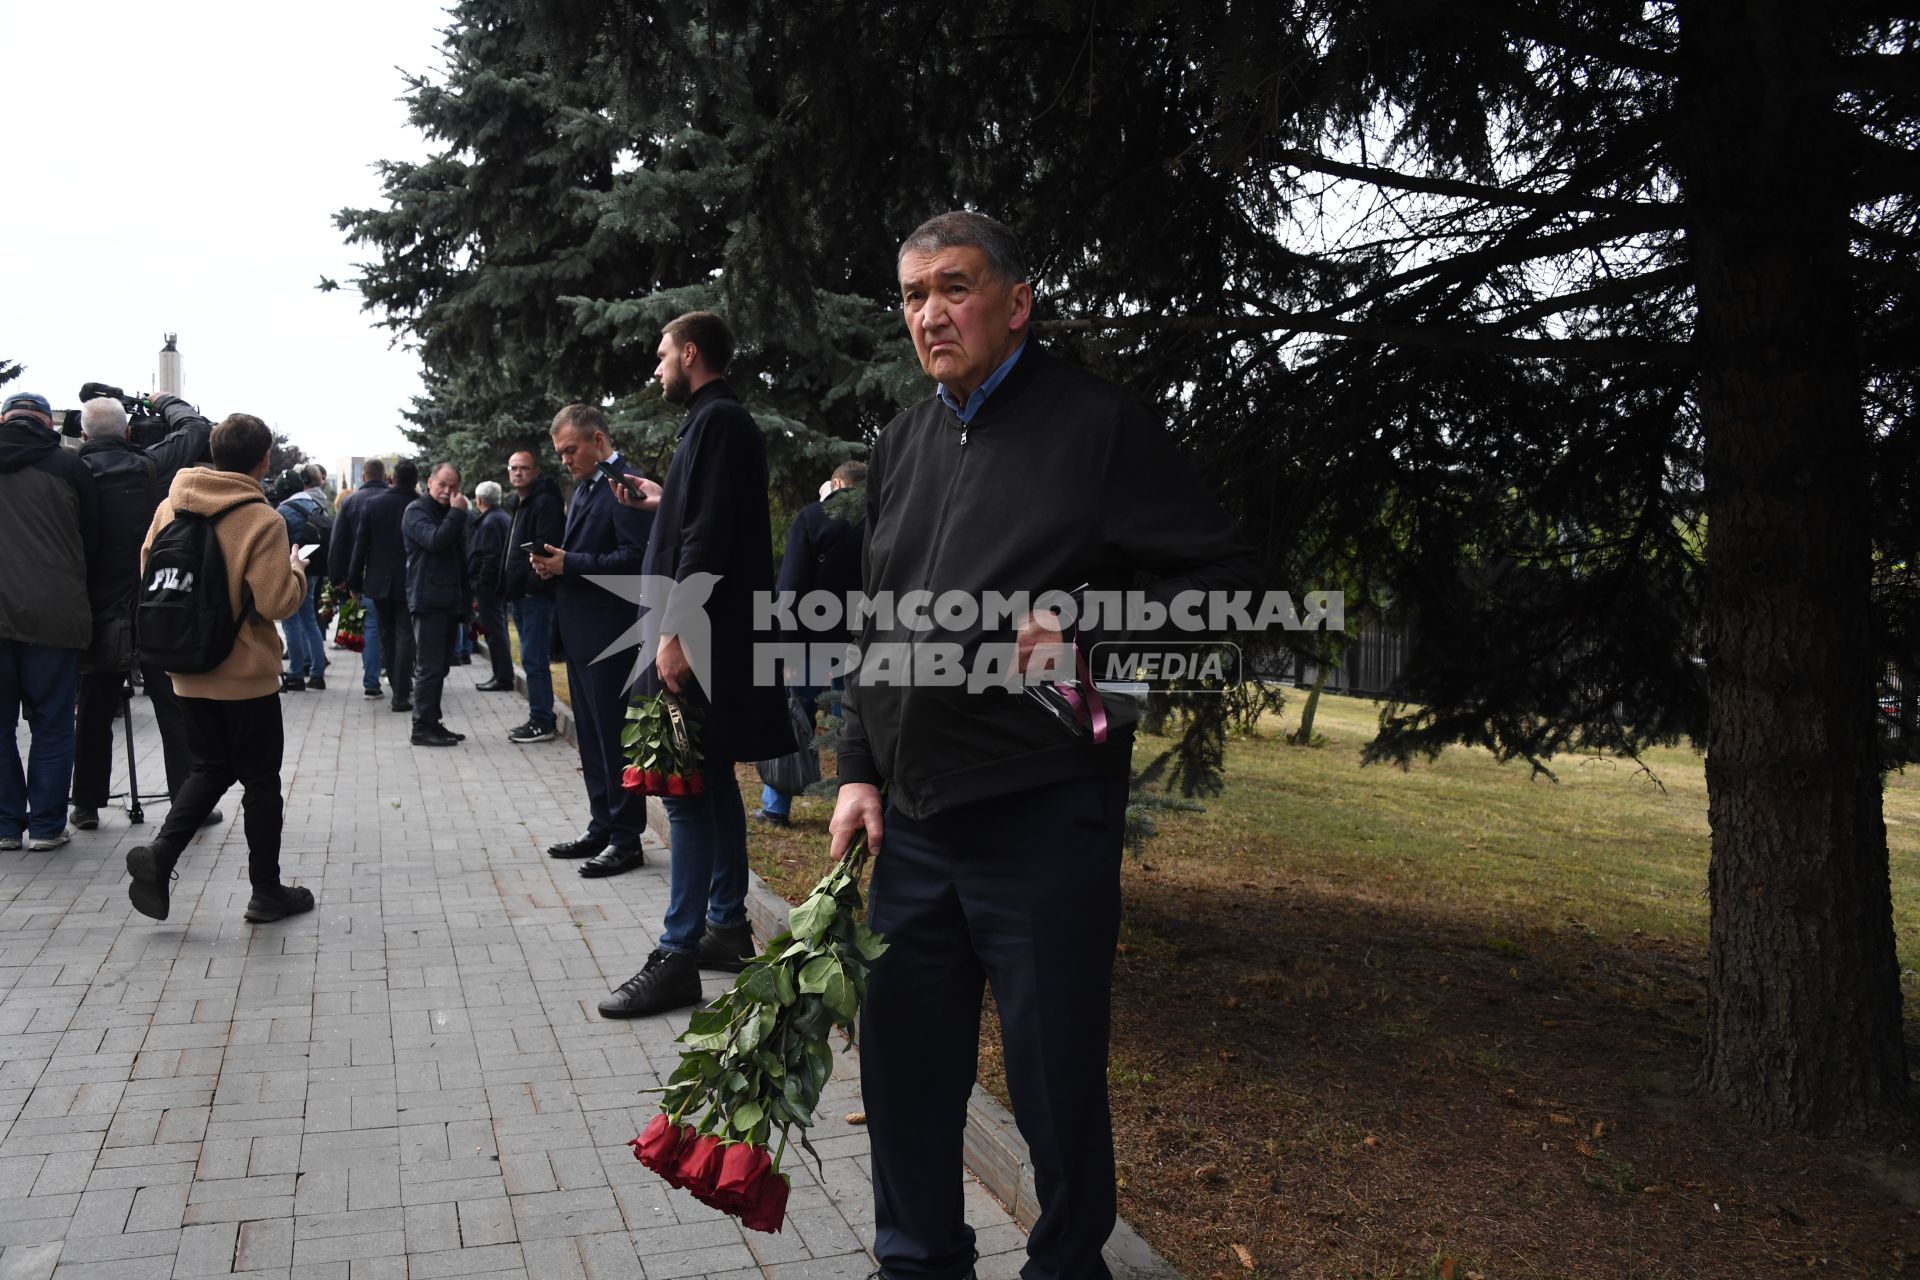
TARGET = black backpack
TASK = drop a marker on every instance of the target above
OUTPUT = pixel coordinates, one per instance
(186, 621)
(317, 522)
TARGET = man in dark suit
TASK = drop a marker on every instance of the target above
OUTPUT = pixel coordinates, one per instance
(380, 573)
(346, 530)
(485, 548)
(712, 519)
(601, 537)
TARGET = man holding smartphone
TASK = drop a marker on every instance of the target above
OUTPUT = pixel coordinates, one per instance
(601, 536)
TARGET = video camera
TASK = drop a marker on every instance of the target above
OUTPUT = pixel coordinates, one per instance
(145, 426)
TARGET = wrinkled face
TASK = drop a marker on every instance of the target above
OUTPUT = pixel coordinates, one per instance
(964, 320)
(676, 381)
(580, 448)
(521, 471)
(445, 483)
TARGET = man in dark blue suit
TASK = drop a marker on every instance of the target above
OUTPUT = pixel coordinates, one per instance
(379, 573)
(601, 537)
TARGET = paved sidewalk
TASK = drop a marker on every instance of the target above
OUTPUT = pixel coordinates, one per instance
(411, 1081)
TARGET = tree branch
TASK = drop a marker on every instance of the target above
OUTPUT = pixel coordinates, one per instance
(1478, 339)
(1560, 201)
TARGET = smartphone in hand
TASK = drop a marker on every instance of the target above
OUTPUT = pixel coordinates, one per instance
(619, 477)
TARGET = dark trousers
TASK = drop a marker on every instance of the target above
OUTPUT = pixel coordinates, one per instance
(493, 625)
(396, 645)
(93, 733)
(432, 649)
(599, 705)
(231, 742)
(1022, 891)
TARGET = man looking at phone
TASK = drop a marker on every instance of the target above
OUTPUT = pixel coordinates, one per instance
(539, 520)
(600, 537)
(435, 527)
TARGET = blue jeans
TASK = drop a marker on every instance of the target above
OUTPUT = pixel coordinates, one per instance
(778, 803)
(707, 880)
(370, 652)
(533, 619)
(462, 639)
(45, 682)
(306, 643)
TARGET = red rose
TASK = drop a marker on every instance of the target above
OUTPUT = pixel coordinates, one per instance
(769, 1208)
(676, 785)
(743, 1167)
(696, 783)
(658, 1143)
(631, 778)
(656, 782)
(699, 1165)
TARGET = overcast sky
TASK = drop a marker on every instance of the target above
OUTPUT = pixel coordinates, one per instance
(176, 168)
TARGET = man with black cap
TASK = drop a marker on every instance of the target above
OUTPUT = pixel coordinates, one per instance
(49, 517)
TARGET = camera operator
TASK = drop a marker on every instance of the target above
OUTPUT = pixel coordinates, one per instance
(129, 482)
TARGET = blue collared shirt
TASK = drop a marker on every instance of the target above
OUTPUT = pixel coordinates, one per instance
(967, 411)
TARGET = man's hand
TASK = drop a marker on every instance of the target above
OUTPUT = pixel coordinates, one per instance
(671, 662)
(458, 502)
(1039, 642)
(551, 565)
(651, 500)
(857, 809)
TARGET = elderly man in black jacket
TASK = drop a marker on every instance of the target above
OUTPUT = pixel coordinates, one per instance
(379, 572)
(49, 524)
(486, 544)
(712, 519)
(346, 529)
(129, 482)
(435, 527)
(539, 520)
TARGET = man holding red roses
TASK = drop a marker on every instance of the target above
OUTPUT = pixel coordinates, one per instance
(997, 847)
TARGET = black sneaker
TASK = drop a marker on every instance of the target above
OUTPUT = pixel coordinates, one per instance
(268, 905)
(670, 980)
(373, 691)
(726, 949)
(531, 732)
(770, 818)
(401, 704)
(432, 735)
(292, 684)
(86, 819)
(151, 891)
(317, 682)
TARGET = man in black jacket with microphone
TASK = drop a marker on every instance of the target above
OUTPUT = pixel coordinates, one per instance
(128, 482)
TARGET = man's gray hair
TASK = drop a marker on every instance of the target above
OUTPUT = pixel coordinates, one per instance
(438, 467)
(103, 418)
(488, 492)
(313, 475)
(962, 228)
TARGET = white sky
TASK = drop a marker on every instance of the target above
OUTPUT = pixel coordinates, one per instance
(176, 168)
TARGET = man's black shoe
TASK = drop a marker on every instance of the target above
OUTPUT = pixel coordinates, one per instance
(584, 847)
(493, 686)
(85, 819)
(771, 819)
(151, 893)
(531, 732)
(268, 905)
(614, 860)
(670, 980)
(317, 682)
(726, 949)
(432, 735)
(213, 818)
(292, 684)
(463, 660)
(402, 704)
(373, 691)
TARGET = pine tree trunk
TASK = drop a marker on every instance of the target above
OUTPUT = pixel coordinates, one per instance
(1803, 1010)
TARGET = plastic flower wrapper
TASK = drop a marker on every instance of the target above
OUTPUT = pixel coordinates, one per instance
(661, 740)
(756, 1059)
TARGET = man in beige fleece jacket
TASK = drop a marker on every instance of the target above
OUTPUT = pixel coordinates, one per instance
(233, 711)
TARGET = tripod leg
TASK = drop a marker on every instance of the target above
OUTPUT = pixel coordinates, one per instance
(135, 814)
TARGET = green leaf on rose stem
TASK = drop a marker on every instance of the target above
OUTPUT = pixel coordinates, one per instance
(747, 1115)
(870, 944)
(840, 997)
(736, 1082)
(760, 985)
(713, 1040)
(794, 1093)
(796, 949)
(693, 1066)
(808, 1148)
(810, 919)
(629, 735)
(708, 1019)
(819, 1064)
(783, 988)
(813, 1020)
(814, 977)
(769, 1064)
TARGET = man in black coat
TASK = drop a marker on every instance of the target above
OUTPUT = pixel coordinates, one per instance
(129, 482)
(601, 537)
(346, 529)
(435, 527)
(486, 545)
(712, 519)
(379, 573)
(539, 520)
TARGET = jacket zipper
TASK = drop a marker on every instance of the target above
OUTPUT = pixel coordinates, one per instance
(933, 559)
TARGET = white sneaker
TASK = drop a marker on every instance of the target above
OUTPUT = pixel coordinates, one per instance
(40, 844)
(9, 842)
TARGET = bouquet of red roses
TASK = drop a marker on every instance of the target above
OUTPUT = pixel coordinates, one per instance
(757, 1058)
(351, 633)
(662, 743)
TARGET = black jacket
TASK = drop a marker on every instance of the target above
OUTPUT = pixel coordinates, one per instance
(49, 525)
(824, 547)
(713, 519)
(486, 543)
(346, 528)
(540, 518)
(1060, 479)
(379, 548)
(436, 557)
